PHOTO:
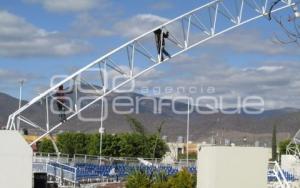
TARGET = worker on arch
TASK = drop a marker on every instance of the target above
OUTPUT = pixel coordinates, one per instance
(61, 102)
(160, 37)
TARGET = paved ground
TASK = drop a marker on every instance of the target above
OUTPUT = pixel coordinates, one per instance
(112, 185)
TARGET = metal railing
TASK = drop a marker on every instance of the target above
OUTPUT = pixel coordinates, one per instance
(92, 159)
(61, 172)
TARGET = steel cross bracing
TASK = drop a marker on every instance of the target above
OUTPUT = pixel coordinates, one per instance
(293, 147)
(140, 55)
(274, 170)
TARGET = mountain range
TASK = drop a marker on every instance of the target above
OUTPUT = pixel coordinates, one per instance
(234, 127)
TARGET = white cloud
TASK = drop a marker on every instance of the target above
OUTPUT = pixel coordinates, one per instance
(91, 24)
(138, 24)
(278, 83)
(239, 41)
(162, 5)
(88, 26)
(250, 41)
(270, 68)
(244, 41)
(69, 5)
(11, 76)
(20, 38)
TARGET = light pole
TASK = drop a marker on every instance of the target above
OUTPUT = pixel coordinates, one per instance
(187, 132)
(21, 82)
(101, 129)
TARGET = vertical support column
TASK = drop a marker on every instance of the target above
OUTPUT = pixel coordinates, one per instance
(264, 8)
(213, 29)
(186, 42)
(183, 31)
(187, 133)
(101, 130)
(75, 177)
(241, 12)
(132, 60)
(74, 158)
(8, 124)
(47, 114)
(13, 125)
(20, 103)
(76, 94)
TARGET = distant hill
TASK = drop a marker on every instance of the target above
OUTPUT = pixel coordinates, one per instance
(202, 127)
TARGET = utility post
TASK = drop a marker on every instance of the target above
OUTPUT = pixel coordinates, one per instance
(187, 132)
(21, 83)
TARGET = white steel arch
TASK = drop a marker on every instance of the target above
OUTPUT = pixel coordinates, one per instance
(185, 32)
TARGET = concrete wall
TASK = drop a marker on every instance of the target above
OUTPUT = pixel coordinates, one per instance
(15, 161)
(232, 167)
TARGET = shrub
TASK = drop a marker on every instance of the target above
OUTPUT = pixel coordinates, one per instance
(138, 179)
(46, 146)
(182, 179)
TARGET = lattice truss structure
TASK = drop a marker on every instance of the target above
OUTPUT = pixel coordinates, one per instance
(293, 146)
(92, 83)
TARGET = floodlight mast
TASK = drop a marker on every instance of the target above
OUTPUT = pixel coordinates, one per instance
(185, 32)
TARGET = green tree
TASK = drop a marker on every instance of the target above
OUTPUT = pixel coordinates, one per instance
(192, 155)
(182, 179)
(65, 143)
(161, 185)
(138, 145)
(93, 144)
(158, 135)
(120, 145)
(274, 144)
(80, 143)
(159, 146)
(138, 179)
(283, 146)
(111, 145)
(133, 145)
(72, 143)
(160, 180)
(46, 146)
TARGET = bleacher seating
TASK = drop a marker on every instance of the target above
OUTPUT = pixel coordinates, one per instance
(90, 171)
(288, 176)
(86, 171)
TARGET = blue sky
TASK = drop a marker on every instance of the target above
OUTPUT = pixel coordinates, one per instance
(42, 38)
